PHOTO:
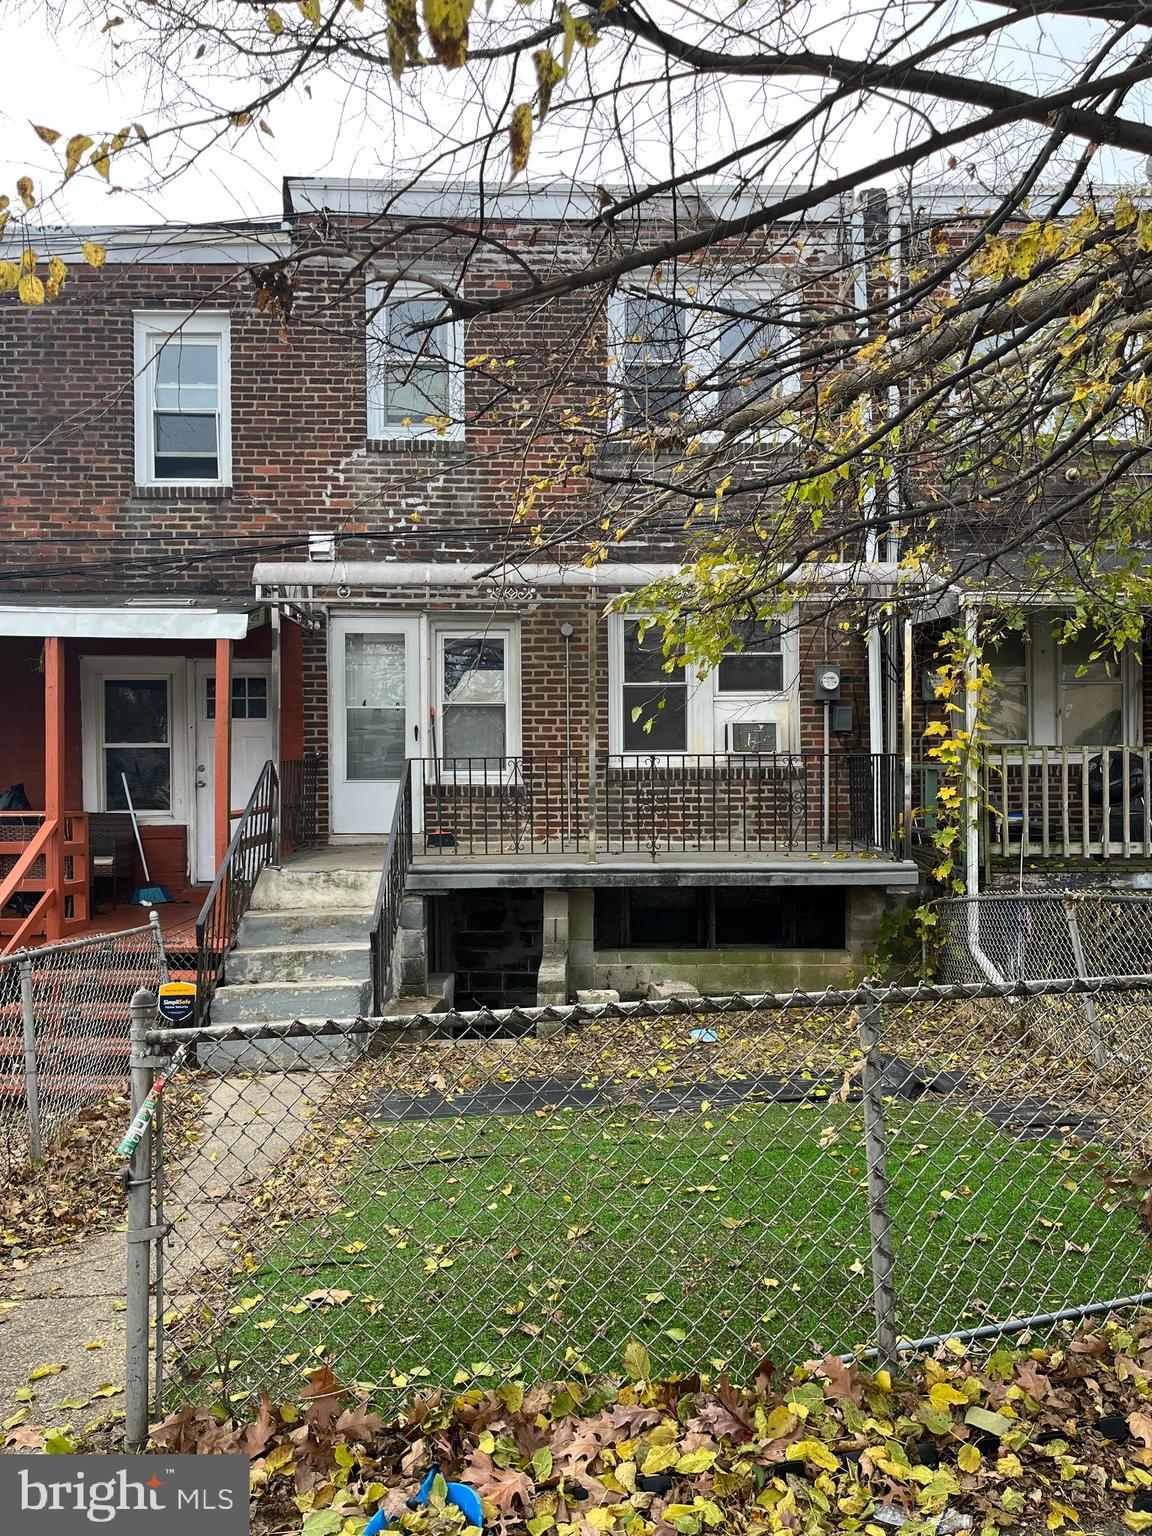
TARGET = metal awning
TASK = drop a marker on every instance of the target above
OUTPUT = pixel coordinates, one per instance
(129, 618)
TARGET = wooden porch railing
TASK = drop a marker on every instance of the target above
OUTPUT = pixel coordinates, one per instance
(50, 864)
(1064, 802)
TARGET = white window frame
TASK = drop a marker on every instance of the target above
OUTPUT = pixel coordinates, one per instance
(376, 296)
(699, 402)
(150, 327)
(709, 712)
(94, 672)
(1045, 691)
(479, 629)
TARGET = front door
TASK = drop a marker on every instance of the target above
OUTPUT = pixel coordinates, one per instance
(374, 671)
(253, 743)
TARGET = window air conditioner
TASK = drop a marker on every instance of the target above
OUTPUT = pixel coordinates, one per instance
(753, 736)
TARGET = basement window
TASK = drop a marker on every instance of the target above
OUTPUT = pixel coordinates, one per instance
(720, 917)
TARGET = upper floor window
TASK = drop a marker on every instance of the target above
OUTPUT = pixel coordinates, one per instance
(415, 374)
(695, 358)
(754, 661)
(183, 406)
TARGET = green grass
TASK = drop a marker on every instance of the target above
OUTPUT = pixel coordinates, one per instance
(485, 1247)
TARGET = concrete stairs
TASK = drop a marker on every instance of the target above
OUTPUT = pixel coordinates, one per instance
(302, 952)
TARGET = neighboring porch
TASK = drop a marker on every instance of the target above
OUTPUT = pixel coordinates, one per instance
(103, 692)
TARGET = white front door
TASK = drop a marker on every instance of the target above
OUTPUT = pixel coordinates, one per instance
(374, 672)
(253, 743)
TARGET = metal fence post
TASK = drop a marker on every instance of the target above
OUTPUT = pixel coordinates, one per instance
(140, 1232)
(1099, 1057)
(876, 1158)
(31, 1069)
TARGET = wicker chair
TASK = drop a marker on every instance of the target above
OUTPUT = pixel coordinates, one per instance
(111, 850)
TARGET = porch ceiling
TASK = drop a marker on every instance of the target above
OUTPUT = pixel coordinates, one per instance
(128, 617)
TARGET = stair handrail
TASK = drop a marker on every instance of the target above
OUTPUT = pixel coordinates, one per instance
(255, 844)
(390, 892)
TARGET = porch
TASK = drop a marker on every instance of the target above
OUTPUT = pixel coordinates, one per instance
(733, 808)
(1083, 803)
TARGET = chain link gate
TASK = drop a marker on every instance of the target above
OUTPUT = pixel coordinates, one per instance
(458, 1199)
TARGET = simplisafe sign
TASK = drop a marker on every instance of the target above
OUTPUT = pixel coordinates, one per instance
(65, 1495)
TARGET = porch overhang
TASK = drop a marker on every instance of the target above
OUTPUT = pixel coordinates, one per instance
(129, 618)
(430, 875)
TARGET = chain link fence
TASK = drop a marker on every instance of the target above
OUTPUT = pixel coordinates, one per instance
(1009, 936)
(460, 1199)
(64, 1030)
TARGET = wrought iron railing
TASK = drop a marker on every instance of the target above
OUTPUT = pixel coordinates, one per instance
(1066, 801)
(660, 803)
(390, 895)
(298, 820)
(255, 844)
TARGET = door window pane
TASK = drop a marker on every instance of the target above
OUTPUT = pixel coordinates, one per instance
(136, 735)
(1092, 694)
(655, 717)
(474, 715)
(375, 706)
(249, 698)
(1006, 700)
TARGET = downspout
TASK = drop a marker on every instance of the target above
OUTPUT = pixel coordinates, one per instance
(972, 805)
(872, 641)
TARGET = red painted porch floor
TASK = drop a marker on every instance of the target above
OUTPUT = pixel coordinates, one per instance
(177, 925)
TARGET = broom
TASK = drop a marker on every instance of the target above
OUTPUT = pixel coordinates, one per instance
(147, 895)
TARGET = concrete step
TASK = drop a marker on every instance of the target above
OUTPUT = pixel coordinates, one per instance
(316, 889)
(331, 925)
(300, 1053)
(298, 962)
(257, 1002)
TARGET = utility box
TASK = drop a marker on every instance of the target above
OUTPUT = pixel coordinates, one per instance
(826, 684)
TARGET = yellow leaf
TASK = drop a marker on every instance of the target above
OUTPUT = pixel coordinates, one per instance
(695, 1462)
(1009, 1466)
(31, 291)
(49, 135)
(74, 153)
(884, 1381)
(94, 254)
(659, 1459)
(311, 11)
(274, 21)
(57, 271)
(9, 276)
(812, 1450)
(446, 22)
(101, 162)
(944, 1396)
(1137, 1520)
(27, 196)
(54, 1368)
(520, 137)
(968, 1458)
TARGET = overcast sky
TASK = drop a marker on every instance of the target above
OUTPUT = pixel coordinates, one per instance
(70, 81)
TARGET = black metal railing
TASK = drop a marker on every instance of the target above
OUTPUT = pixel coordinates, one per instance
(390, 895)
(255, 844)
(660, 803)
(299, 777)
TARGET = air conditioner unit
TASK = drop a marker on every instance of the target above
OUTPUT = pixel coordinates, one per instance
(754, 736)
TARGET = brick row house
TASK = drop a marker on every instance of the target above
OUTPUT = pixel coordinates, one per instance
(308, 515)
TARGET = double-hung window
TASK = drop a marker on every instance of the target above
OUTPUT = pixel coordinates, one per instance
(476, 688)
(755, 661)
(182, 396)
(696, 358)
(415, 367)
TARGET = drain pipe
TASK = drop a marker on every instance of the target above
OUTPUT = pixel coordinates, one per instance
(871, 540)
(972, 810)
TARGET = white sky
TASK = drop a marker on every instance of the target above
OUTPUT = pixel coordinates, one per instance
(70, 81)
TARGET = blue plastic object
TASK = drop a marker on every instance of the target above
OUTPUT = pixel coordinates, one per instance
(705, 1036)
(464, 1498)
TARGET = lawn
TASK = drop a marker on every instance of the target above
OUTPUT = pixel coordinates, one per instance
(471, 1248)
